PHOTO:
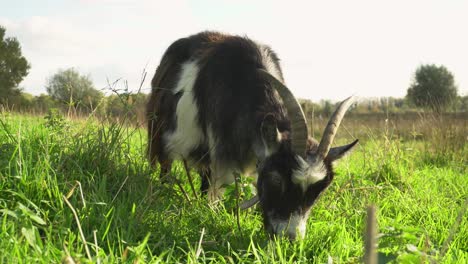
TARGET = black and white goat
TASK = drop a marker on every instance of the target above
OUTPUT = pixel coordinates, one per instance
(219, 101)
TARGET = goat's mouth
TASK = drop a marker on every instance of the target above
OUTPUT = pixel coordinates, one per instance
(292, 229)
(274, 235)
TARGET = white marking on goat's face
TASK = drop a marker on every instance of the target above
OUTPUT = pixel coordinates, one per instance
(187, 134)
(288, 186)
(308, 173)
(293, 228)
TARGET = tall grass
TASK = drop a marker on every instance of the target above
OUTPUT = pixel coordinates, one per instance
(413, 168)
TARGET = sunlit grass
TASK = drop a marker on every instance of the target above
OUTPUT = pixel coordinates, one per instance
(419, 184)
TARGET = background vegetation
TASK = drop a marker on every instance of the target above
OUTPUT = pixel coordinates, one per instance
(413, 170)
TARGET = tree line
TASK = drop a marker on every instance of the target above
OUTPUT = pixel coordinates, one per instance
(433, 88)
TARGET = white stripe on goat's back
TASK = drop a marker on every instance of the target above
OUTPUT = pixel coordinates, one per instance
(308, 174)
(188, 134)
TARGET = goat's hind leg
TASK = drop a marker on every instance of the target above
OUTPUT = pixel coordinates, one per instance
(205, 175)
(165, 171)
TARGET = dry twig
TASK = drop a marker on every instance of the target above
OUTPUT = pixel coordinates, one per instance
(187, 169)
(79, 227)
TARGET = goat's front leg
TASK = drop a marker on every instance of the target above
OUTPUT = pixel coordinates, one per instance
(221, 176)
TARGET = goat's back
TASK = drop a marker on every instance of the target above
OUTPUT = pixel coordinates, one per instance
(228, 97)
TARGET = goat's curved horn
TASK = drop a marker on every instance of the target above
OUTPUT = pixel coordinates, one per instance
(332, 127)
(299, 131)
(249, 203)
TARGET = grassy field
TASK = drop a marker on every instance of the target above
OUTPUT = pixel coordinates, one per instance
(412, 167)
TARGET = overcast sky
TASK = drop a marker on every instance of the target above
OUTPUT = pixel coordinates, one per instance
(328, 49)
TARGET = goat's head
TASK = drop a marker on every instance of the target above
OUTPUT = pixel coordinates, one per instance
(295, 169)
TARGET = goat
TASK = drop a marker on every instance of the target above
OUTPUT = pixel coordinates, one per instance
(220, 102)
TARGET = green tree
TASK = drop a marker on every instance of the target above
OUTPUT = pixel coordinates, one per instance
(13, 67)
(433, 87)
(74, 90)
(127, 106)
(463, 103)
(327, 107)
(42, 103)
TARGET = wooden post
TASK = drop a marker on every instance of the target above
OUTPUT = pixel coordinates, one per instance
(370, 254)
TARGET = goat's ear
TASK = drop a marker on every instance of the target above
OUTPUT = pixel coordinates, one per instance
(270, 134)
(339, 152)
